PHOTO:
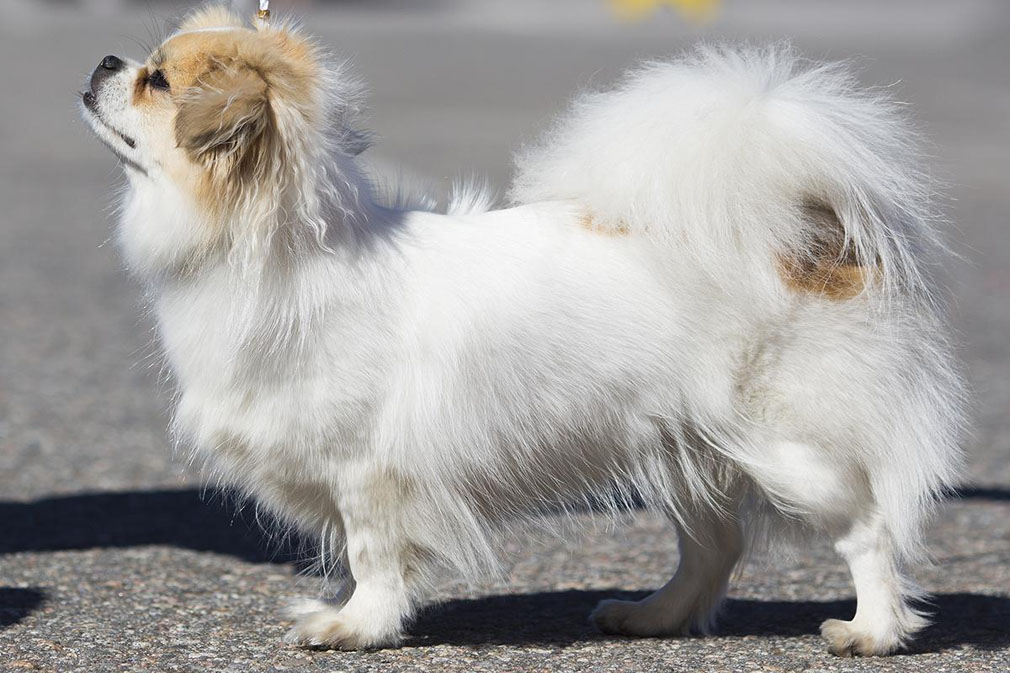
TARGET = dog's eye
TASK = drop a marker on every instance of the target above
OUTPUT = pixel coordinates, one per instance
(157, 80)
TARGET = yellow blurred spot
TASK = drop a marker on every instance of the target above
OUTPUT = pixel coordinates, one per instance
(695, 10)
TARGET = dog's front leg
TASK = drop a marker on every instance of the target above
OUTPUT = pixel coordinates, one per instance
(372, 503)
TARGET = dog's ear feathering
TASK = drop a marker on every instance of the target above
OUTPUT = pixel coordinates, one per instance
(226, 115)
(248, 117)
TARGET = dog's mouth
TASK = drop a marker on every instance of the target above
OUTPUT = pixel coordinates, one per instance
(109, 134)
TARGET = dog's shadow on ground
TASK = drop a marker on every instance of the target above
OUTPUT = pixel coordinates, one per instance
(201, 520)
(208, 521)
(18, 603)
(559, 618)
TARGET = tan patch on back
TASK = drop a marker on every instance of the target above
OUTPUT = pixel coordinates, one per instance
(833, 271)
(590, 223)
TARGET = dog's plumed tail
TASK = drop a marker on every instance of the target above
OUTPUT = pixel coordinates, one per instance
(738, 155)
(787, 185)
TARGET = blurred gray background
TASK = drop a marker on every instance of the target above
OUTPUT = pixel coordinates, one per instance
(113, 558)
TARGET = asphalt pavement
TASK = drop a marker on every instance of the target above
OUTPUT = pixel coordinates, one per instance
(113, 555)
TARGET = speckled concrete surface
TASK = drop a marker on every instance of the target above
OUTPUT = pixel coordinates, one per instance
(110, 558)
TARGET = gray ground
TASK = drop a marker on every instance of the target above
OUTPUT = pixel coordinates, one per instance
(111, 560)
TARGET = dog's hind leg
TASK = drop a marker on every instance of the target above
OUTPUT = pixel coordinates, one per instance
(884, 620)
(688, 603)
(836, 497)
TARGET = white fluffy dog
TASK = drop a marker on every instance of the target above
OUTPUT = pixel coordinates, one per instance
(713, 297)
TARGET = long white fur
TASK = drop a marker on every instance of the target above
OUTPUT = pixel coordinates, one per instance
(405, 385)
(746, 136)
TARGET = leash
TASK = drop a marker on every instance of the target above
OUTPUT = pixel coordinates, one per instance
(263, 15)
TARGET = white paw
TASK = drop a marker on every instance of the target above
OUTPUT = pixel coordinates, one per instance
(847, 639)
(320, 625)
(636, 618)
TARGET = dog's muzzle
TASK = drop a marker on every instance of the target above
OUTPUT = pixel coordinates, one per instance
(109, 66)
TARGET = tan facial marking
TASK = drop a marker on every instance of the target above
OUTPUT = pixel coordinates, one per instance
(182, 59)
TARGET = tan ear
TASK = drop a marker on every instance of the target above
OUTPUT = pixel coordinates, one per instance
(211, 16)
(227, 115)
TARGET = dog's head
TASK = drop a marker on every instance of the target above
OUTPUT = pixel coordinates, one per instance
(229, 118)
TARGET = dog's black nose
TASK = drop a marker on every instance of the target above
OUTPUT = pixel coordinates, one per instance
(112, 63)
(109, 66)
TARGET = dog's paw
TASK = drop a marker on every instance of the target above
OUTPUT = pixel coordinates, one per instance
(321, 626)
(634, 618)
(847, 639)
(612, 616)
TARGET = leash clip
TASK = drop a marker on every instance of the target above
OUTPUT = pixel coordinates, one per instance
(263, 15)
